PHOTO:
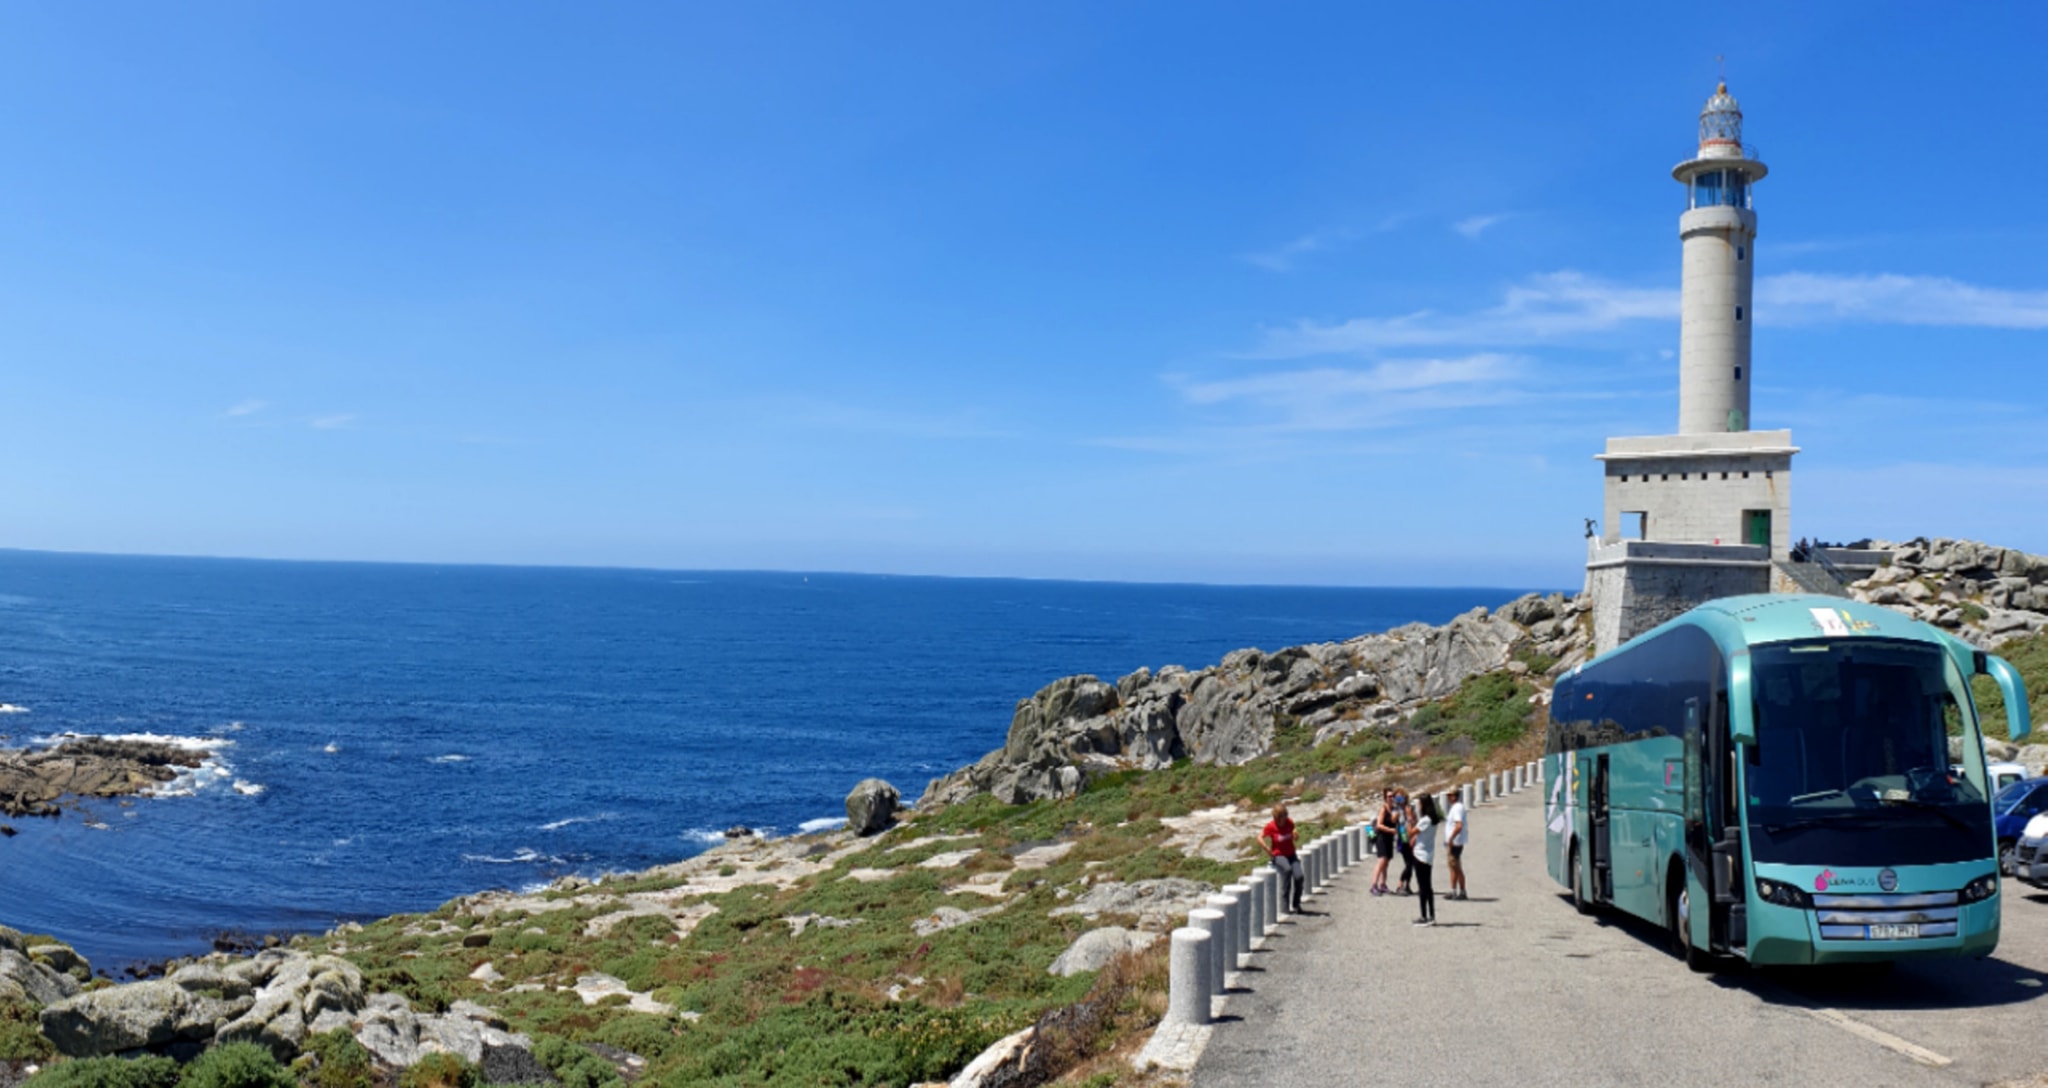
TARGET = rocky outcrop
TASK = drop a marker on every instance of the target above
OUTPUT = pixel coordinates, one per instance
(871, 807)
(399, 1037)
(33, 779)
(40, 972)
(274, 999)
(1092, 950)
(1079, 727)
(1985, 595)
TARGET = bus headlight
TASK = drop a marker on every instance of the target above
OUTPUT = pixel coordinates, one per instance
(1980, 889)
(1783, 894)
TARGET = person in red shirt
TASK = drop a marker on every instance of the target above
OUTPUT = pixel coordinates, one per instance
(1278, 839)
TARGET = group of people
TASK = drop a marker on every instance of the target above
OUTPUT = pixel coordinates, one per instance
(1409, 826)
(1404, 825)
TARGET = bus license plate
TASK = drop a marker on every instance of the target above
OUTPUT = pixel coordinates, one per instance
(1905, 931)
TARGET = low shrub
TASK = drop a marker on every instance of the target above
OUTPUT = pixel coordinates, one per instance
(108, 1073)
(574, 1066)
(20, 1037)
(441, 1071)
(236, 1065)
(335, 1060)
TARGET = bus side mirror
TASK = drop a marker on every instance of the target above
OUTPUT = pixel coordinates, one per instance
(1741, 715)
(2018, 723)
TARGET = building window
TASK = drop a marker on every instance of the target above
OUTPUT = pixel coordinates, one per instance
(1738, 253)
(1666, 479)
(1738, 370)
(1738, 313)
(1745, 474)
(1724, 475)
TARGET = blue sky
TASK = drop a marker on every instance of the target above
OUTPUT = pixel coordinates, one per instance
(1306, 294)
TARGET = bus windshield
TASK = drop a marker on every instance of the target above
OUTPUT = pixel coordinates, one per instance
(1853, 735)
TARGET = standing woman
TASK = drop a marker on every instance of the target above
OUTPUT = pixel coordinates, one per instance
(1404, 838)
(1278, 839)
(1382, 842)
(1423, 843)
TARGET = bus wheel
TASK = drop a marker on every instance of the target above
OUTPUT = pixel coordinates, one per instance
(1680, 915)
(1579, 900)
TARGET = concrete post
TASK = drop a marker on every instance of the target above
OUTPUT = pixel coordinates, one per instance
(1356, 833)
(1256, 881)
(1271, 892)
(1247, 925)
(1213, 926)
(1187, 977)
(1465, 794)
(1233, 913)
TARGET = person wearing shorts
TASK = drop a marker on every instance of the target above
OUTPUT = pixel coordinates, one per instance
(1382, 843)
(1454, 840)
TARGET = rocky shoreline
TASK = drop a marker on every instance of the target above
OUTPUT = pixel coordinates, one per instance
(41, 781)
(1025, 886)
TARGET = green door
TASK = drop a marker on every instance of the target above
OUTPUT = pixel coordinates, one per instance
(1756, 527)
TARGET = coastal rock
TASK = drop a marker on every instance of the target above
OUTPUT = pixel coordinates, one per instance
(1155, 903)
(999, 1064)
(1095, 948)
(186, 1007)
(399, 1037)
(298, 991)
(33, 779)
(23, 979)
(871, 807)
(61, 957)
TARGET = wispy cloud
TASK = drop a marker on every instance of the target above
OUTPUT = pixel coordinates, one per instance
(247, 408)
(1283, 258)
(1546, 307)
(1561, 305)
(1476, 225)
(332, 422)
(1795, 298)
(1352, 398)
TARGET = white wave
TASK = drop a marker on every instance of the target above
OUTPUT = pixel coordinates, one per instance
(525, 855)
(557, 825)
(190, 744)
(233, 727)
(704, 834)
(344, 842)
(449, 759)
(331, 748)
(249, 789)
(823, 823)
(10, 708)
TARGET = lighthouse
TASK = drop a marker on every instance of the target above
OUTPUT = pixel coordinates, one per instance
(1718, 229)
(1705, 512)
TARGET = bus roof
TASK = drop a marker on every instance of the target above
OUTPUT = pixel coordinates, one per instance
(1737, 623)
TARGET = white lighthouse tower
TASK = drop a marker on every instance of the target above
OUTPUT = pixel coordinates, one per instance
(1718, 227)
(1706, 512)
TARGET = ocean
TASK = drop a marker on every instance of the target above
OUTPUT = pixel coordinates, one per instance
(390, 736)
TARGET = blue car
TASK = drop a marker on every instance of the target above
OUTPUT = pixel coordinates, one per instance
(2011, 808)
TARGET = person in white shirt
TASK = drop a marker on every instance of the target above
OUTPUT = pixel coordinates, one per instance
(1454, 836)
(1422, 843)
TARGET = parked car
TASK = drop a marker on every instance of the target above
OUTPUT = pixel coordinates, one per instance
(2003, 775)
(2030, 857)
(2011, 810)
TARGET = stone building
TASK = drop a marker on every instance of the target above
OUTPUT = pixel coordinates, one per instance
(1706, 512)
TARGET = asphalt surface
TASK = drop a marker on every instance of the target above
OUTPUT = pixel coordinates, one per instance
(1513, 987)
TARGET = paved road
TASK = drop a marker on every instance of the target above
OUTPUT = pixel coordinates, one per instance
(1515, 988)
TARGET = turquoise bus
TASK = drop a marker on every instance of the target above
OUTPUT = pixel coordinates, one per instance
(1770, 778)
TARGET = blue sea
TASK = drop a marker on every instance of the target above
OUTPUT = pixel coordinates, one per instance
(390, 736)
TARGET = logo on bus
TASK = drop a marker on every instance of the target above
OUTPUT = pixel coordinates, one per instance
(1828, 878)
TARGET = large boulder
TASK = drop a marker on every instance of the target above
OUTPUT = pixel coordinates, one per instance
(24, 979)
(189, 1006)
(871, 807)
(399, 1037)
(301, 995)
(1093, 950)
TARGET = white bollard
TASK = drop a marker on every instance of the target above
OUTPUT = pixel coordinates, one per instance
(1215, 926)
(1272, 896)
(1232, 912)
(1246, 908)
(1187, 977)
(1465, 794)
(1256, 881)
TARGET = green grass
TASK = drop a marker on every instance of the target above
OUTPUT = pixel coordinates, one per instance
(2030, 656)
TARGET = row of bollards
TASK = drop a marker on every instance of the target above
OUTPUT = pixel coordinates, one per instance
(1221, 933)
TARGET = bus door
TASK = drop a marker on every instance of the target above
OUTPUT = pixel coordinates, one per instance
(1727, 928)
(1603, 834)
